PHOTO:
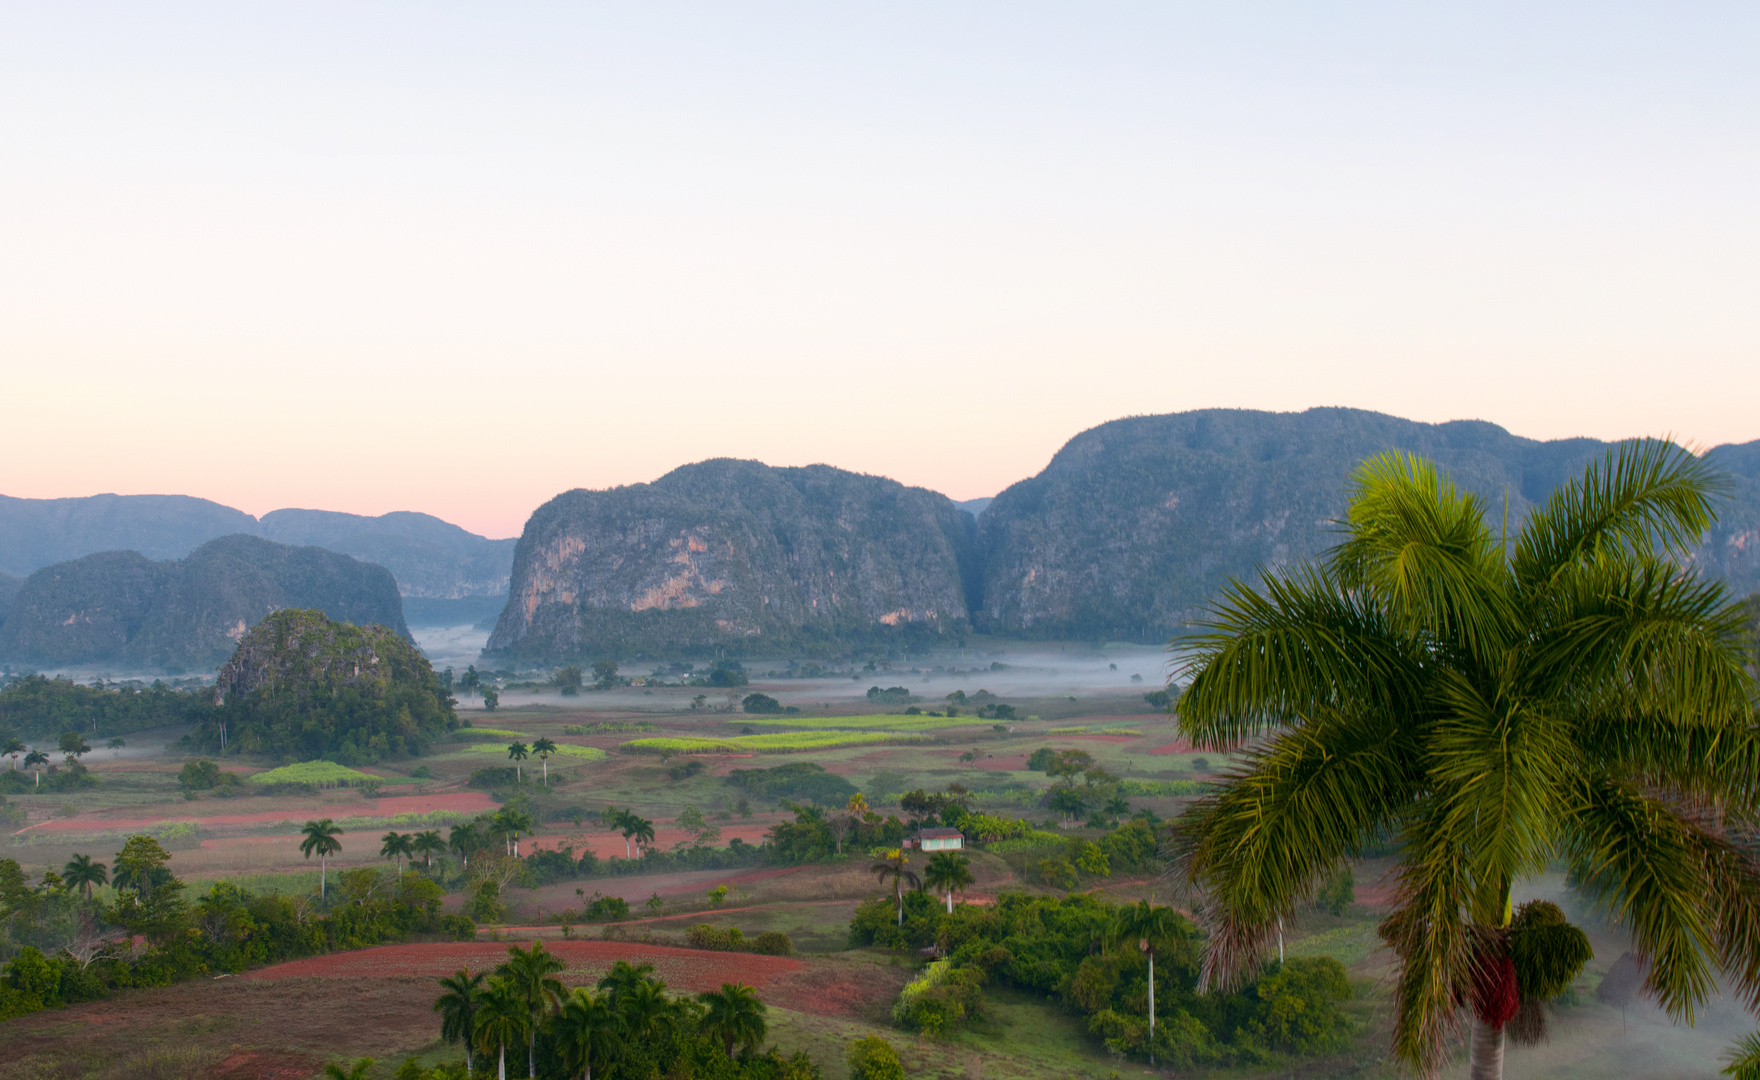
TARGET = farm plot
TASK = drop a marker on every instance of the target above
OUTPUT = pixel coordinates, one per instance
(582, 753)
(888, 722)
(778, 743)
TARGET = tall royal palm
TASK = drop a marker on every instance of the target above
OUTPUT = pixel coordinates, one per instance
(544, 748)
(587, 1030)
(517, 753)
(458, 1007)
(320, 840)
(530, 974)
(896, 867)
(82, 873)
(427, 844)
(501, 1019)
(396, 845)
(1569, 692)
(1149, 928)
(948, 872)
(734, 1015)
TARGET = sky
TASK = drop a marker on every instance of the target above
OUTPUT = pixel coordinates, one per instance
(459, 258)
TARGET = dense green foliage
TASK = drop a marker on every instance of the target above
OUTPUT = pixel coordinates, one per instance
(802, 781)
(1058, 948)
(64, 947)
(36, 706)
(321, 774)
(301, 687)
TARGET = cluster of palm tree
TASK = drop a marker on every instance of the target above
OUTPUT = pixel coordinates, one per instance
(522, 997)
(948, 872)
(518, 752)
(1494, 702)
(632, 825)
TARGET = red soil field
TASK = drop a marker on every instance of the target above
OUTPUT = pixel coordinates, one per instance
(1178, 746)
(685, 970)
(1104, 738)
(1011, 763)
(469, 802)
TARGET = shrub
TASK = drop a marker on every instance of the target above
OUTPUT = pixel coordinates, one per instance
(1299, 1006)
(891, 695)
(198, 775)
(873, 1058)
(761, 704)
(316, 773)
(773, 943)
(941, 998)
(607, 909)
(485, 904)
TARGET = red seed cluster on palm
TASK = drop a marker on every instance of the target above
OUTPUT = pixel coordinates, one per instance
(1495, 997)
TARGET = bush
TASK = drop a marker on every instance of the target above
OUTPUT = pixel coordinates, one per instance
(873, 1058)
(485, 904)
(761, 704)
(939, 999)
(891, 695)
(773, 943)
(1299, 1006)
(607, 909)
(198, 775)
(720, 939)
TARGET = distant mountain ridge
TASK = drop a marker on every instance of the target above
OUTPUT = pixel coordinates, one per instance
(430, 558)
(728, 553)
(124, 608)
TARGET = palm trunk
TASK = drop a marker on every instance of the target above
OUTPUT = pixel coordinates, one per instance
(468, 1066)
(546, 772)
(1487, 1052)
(898, 896)
(1151, 998)
(323, 875)
(532, 1054)
(950, 901)
(503, 1072)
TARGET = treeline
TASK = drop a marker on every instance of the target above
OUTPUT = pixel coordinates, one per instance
(1094, 958)
(36, 706)
(63, 944)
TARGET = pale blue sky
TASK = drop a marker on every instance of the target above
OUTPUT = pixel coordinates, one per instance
(525, 248)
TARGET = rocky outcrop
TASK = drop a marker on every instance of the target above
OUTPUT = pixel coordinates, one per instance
(736, 557)
(1136, 525)
(119, 607)
(294, 652)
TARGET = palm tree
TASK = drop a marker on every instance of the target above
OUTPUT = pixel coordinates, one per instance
(948, 872)
(517, 753)
(735, 1015)
(396, 845)
(894, 869)
(427, 844)
(458, 1008)
(647, 1011)
(465, 839)
(82, 873)
(12, 748)
(641, 829)
(619, 820)
(1150, 927)
(1494, 703)
(501, 1019)
(35, 760)
(544, 748)
(623, 977)
(511, 823)
(529, 975)
(589, 1030)
(320, 840)
(358, 1071)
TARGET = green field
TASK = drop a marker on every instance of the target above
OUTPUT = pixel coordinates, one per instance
(584, 753)
(778, 743)
(1092, 731)
(496, 733)
(876, 722)
(320, 773)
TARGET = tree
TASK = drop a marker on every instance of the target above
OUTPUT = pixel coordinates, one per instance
(73, 744)
(640, 829)
(873, 1058)
(501, 1019)
(458, 1009)
(1494, 703)
(82, 873)
(517, 753)
(427, 844)
(948, 872)
(604, 675)
(511, 823)
(588, 1030)
(320, 840)
(734, 1015)
(343, 1071)
(529, 975)
(35, 760)
(12, 748)
(116, 744)
(623, 977)
(491, 699)
(613, 818)
(1151, 927)
(647, 1012)
(397, 845)
(895, 870)
(569, 679)
(544, 748)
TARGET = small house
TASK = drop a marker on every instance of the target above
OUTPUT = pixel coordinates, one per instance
(941, 840)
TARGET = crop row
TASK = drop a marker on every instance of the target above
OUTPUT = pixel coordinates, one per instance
(585, 753)
(321, 773)
(891, 722)
(778, 743)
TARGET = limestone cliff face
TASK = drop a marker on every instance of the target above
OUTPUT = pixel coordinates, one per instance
(735, 556)
(294, 652)
(119, 607)
(1135, 526)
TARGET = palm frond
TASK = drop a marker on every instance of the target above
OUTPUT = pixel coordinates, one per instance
(1635, 857)
(1497, 764)
(1298, 806)
(1744, 1059)
(1645, 493)
(1424, 550)
(1434, 944)
(1268, 658)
